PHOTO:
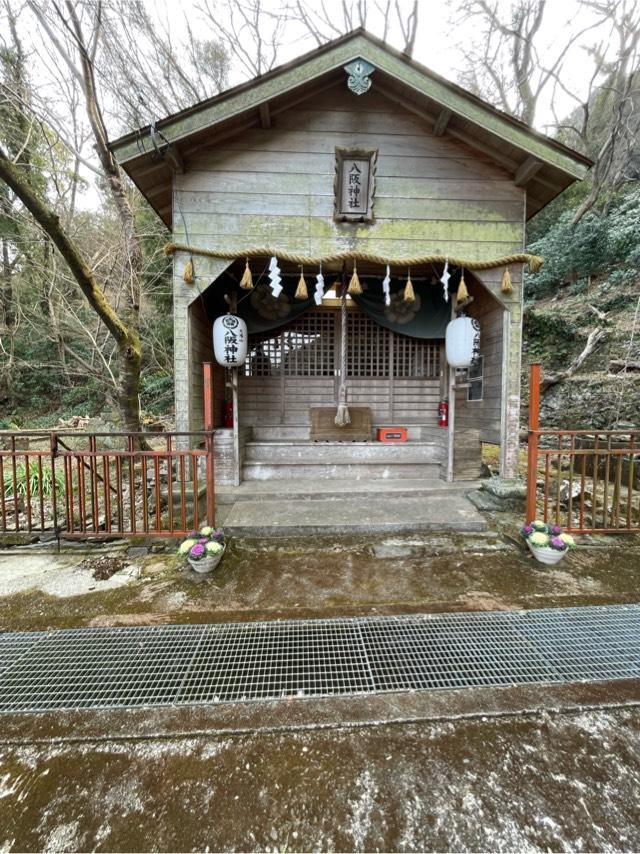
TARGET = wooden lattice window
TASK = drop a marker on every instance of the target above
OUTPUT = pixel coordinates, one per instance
(367, 347)
(304, 349)
(374, 351)
(309, 347)
(413, 357)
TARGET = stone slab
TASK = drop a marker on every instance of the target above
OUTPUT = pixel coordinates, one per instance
(385, 514)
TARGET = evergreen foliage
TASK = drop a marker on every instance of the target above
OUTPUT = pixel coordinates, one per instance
(600, 244)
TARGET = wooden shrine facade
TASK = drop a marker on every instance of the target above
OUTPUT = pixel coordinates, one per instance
(314, 159)
(296, 368)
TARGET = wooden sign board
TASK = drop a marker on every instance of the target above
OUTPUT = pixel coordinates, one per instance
(354, 184)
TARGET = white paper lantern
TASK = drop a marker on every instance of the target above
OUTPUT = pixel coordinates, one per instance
(462, 342)
(230, 340)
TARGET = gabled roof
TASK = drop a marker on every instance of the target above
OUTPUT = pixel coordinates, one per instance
(544, 165)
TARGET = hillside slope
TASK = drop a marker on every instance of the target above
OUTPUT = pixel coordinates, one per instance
(590, 281)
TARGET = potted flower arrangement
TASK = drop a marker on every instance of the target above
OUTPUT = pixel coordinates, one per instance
(547, 543)
(203, 549)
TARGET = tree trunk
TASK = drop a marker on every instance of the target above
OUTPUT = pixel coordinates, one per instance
(126, 336)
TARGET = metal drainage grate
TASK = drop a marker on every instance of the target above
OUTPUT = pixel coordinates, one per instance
(163, 665)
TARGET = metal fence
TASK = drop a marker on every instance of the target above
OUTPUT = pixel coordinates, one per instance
(103, 484)
(586, 481)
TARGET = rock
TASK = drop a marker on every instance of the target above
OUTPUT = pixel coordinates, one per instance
(505, 489)
(137, 551)
(386, 551)
(17, 539)
(131, 570)
(565, 490)
(486, 502)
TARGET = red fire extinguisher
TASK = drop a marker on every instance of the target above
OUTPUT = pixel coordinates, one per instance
(227, 415)
(443, 414)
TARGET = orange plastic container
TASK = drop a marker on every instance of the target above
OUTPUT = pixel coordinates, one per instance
(391, 434)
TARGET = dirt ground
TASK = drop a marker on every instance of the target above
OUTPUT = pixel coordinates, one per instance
(551, 777)
(309, 578)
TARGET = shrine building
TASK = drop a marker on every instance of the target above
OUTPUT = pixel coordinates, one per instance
(347, 207)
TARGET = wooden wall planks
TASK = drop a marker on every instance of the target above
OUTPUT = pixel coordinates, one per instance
(275, 186)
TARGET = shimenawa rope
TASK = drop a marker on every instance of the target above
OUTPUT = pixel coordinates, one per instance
(534, 261)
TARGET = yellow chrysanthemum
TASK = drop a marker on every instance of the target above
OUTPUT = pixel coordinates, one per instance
(539, 526)
(539, 539)
(568, 540)
(186, 545)
(206, 531)
(213, 548)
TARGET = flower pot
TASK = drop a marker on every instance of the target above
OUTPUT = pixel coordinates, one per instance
(206, 564)
(545, 554)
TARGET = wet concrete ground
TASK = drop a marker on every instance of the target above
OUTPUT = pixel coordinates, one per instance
(547, 782)
(543, 775)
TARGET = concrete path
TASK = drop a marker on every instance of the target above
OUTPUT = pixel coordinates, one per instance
(338, 488)
(356, 514)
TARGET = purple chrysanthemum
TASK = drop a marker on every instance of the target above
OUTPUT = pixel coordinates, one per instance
(193, 534)
(202, 540)
(556, 530)
(557, 543)
(527, 530)
(197, 550)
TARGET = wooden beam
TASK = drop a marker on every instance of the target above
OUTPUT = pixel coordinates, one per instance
(265, 115)
(526, 171)
(492, 153)
(174, 159)
(442, 122)
(408, 105)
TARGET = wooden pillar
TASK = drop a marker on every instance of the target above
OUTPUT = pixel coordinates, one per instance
(209, 443)
(236, 426)
(533, 438)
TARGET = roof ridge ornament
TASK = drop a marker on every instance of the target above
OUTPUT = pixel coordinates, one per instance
(359, 80)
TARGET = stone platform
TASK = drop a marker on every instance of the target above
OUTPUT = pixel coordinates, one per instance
(300, 507)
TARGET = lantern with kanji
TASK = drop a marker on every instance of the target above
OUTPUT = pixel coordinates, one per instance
(462, 342)
(230, 340)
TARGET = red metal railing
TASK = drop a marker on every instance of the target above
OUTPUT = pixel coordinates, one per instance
(587, 481)
(103, 484)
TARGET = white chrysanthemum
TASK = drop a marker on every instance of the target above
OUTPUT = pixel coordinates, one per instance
(213, 548)
(186, 545)
(206, 531)
(539, 539)
(568, 540)
(539, 526)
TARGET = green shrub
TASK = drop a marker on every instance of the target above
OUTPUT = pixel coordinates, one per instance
(593, 246)
(34, 481)
(156, 393)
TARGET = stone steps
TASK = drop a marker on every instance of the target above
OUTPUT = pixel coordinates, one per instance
(358, 471)
(285, 460)
(339, 453)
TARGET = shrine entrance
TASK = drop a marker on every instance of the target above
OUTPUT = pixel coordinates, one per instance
(296, 367)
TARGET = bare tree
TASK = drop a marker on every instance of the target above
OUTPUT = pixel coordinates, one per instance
(249, 30)
(607, 121)
(148, 71)
(507, 63)
(255, 35)
(327, 21)
(511, 64)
